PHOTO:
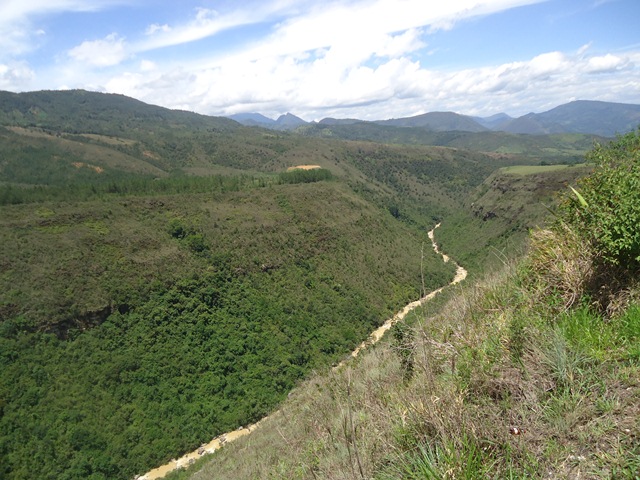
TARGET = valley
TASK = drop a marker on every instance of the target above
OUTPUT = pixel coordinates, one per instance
(226, 438)
(167, 277)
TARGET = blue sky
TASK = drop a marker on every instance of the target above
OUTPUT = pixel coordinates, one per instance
(368, 59)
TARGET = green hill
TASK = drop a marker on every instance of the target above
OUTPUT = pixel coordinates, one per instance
(531, 373)
(438, 122)
(165, 279)
(600, 118)
(519, 148)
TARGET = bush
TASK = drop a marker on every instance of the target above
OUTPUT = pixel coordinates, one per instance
(606, 211)
(592, 253)
(560, 265)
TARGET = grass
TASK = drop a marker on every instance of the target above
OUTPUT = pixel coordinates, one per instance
(533, 169)
(486, 362)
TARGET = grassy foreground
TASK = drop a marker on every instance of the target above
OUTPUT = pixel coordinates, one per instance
(532, 373)
(495, 384)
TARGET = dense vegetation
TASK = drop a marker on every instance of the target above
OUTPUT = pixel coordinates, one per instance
(519, 376)
(504, 208)
(187, 314)
(606, 211)
(165, 279)
(567, 147)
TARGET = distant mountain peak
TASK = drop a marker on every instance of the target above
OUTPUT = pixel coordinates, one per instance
(578, 116)
(437, 122)
(289, 119)
(251, 119)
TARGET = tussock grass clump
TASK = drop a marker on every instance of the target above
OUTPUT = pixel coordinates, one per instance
(595, 242)
(566, 269)
(560, 265)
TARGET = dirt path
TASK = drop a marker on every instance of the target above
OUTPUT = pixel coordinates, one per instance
(374, 338)
(377, 334)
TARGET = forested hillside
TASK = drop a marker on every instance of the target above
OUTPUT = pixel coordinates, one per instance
(164, 278)
(533, 372)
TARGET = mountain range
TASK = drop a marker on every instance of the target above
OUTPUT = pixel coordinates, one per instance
(581, 116)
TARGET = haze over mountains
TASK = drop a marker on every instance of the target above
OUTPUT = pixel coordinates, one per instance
(580, 116)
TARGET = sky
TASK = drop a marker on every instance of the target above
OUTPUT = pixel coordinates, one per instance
(365, 59)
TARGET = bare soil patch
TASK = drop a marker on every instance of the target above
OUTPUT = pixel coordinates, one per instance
(303, 167)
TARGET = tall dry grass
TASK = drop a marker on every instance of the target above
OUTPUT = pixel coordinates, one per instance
(561, 265)
(496, 389)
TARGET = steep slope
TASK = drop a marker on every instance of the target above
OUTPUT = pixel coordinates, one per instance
(135, 328)
(148, 304)
(499, 215)
(523, 375)
(288, 121)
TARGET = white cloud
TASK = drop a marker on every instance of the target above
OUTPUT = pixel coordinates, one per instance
(148, 66)
(334, 58)
(605, 63)
(154, 28)
(15, 40)
(13, 10)
(16, 20)
(392, 87)
(584, 48)
(312, 88)
(547, 64)
(207, 23)
(106, 52)
(397, 45)
(343, 59)
(15, 76)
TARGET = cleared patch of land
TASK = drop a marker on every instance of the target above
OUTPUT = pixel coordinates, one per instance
(303, 167)
(532, 169)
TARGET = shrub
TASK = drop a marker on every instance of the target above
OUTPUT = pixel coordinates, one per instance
(592, 253)
(560, 265)
(605, 211)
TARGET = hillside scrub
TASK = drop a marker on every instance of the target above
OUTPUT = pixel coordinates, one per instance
(592, 253)
(492, 385)
(136, 327)
(521, 375)
(606, 209)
